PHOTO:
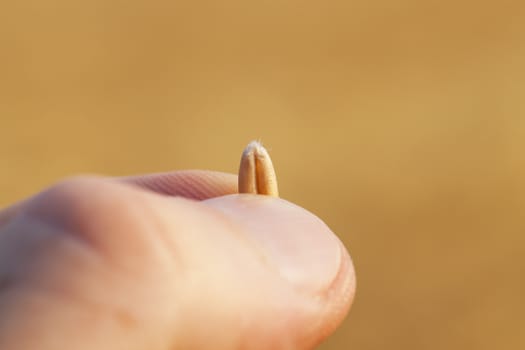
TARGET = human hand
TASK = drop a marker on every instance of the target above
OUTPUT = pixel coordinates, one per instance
(165, 262)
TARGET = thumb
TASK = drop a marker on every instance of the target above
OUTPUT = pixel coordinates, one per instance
(93, 263)
(295, 277)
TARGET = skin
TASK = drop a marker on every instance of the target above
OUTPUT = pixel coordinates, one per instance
(167, 261)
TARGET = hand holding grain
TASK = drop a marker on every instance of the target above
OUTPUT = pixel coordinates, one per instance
(167, 261)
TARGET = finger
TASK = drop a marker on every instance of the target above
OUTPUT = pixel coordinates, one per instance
(304, 253)
(93, 263)
(194, 184)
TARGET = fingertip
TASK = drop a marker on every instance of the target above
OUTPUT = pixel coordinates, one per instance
(304, 249)
(304, 253)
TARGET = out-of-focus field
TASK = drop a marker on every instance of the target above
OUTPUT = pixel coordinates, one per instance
(401, 124)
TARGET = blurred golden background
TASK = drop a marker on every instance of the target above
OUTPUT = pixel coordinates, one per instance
(401, 124)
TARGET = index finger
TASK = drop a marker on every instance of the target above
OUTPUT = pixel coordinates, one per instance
(191, 184)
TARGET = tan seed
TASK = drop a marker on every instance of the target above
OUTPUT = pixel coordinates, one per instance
(256, 173)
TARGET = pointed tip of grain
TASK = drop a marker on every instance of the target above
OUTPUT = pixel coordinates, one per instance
(253, 146)
(256, 148)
